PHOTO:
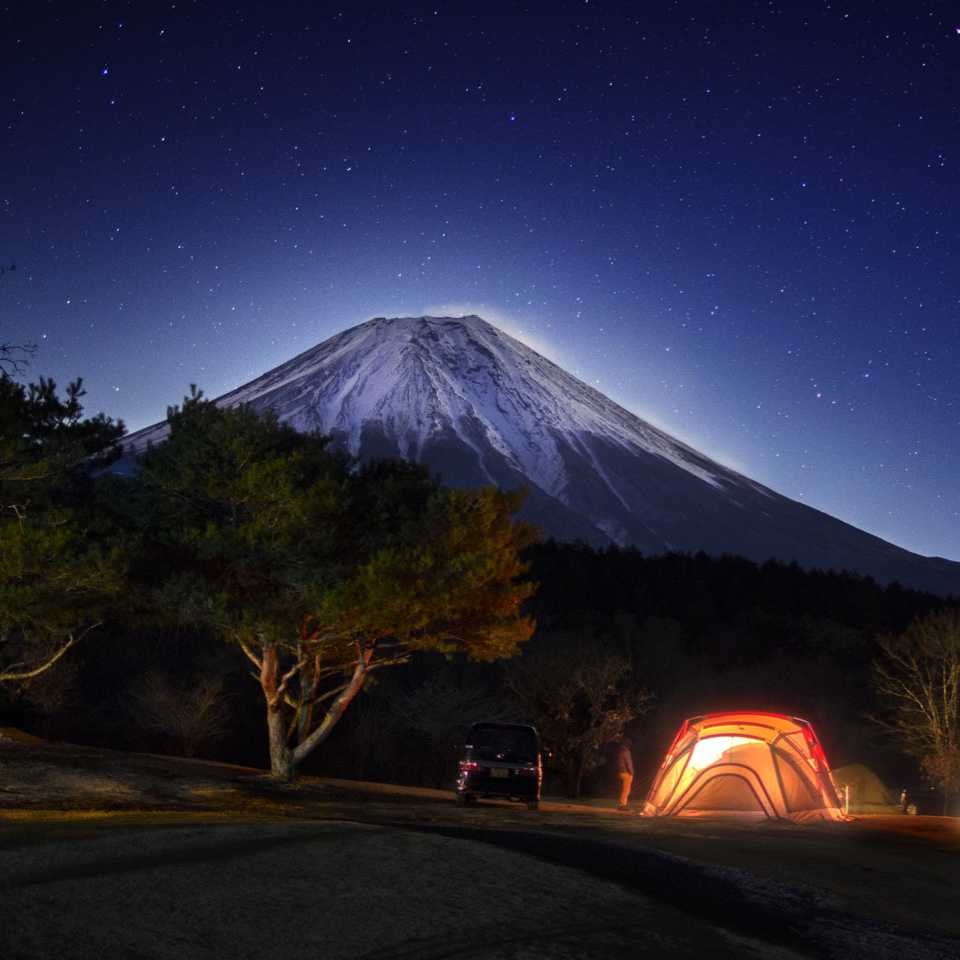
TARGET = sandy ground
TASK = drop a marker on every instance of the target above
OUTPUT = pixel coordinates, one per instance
(105, 853)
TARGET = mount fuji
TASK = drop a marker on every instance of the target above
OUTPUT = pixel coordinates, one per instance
(479, 407)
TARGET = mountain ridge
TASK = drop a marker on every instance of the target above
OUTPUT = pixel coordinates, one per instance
(478, 406)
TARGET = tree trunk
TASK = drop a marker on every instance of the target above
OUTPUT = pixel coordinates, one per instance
(572, 778)
(282, 763)
(579, 779)
(309, 684)
(336, 709)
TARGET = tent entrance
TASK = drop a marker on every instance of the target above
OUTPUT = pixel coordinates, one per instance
(724, 793)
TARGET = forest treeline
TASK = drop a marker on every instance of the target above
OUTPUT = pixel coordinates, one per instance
(241, 547)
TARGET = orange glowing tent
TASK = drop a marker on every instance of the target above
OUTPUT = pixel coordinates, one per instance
(747, 766)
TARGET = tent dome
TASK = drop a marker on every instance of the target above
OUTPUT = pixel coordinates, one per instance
(745, 765)
(866, 792)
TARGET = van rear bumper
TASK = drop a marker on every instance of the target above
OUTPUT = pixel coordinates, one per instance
(482, 784)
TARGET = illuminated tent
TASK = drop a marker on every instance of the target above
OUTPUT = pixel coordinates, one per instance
(744, 765)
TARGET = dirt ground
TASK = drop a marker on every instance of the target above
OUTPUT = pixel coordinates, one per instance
(325, 889)
(101, 849)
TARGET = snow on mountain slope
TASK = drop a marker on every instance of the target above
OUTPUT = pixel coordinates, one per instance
(418, 375)
(478, 407)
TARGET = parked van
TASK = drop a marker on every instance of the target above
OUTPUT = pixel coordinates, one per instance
(500, 760)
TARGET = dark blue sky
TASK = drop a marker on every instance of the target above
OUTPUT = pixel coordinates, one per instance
(740, 220)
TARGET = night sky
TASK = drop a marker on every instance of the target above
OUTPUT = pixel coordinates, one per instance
(740, 220)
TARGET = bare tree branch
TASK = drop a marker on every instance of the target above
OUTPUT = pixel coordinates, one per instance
(17, 675)
(250, 655)
(918, 677)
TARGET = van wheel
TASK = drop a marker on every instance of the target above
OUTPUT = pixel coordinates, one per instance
(533, 804)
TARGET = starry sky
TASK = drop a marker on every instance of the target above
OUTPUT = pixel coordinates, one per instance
(741, 220)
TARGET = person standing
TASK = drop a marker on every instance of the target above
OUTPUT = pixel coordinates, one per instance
(624, 771)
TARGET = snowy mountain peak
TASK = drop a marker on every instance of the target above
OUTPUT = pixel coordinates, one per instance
(478, 406)
(422, 377)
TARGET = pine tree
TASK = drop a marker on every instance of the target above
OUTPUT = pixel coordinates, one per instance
(320, 570)
(58, 572)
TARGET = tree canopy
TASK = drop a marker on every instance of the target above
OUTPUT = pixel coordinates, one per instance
(57, 573)
(320, 569)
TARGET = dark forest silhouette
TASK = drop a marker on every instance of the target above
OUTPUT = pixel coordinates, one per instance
(676, 634)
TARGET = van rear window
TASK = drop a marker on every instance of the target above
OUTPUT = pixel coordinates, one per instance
(498, 743)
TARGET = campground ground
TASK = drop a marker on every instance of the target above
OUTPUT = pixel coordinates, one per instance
(113, 854)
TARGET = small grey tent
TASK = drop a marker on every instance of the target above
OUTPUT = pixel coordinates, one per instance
(865, 792)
